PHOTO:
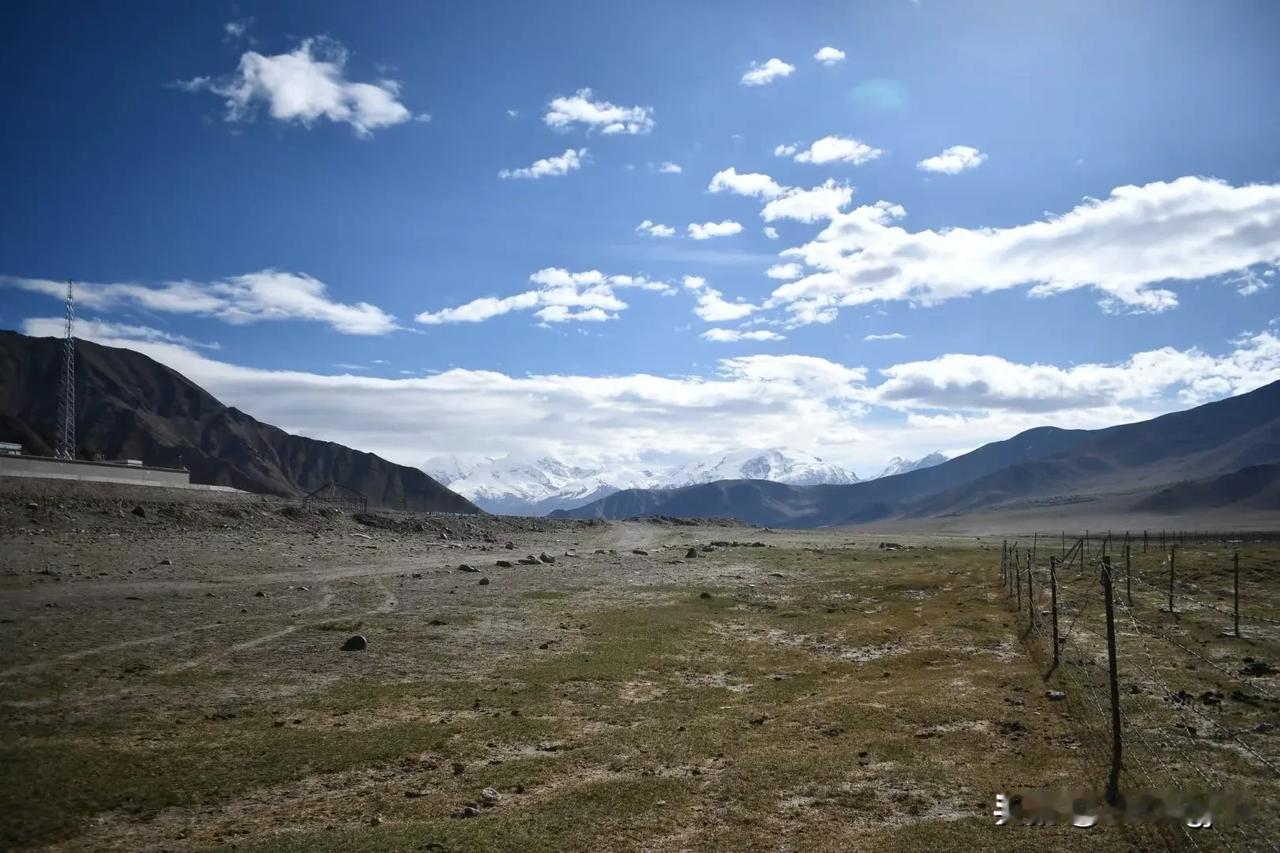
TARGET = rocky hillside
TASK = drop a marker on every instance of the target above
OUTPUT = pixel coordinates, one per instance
(131, 407)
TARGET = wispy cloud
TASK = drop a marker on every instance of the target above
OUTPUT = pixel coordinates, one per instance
(570, 161)
(610, 119)
(560, 296)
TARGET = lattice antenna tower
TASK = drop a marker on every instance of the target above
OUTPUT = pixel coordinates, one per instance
(66, 442)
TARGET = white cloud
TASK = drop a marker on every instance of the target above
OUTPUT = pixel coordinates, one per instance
(747, 183)
(669, 168)
(560, 297)
(728, 336)
(707, 230)
(822, 202)
(829, 56)
(952, 161)
(564, 112)
(771, 232)
(654, 229)
(763, 74)
(832, 149)
(712, 306)
(983, 382)
(889, 336)
(91, 329)
(1251, 281)
(513, 113)
(241, 299)
(784, 272)
(307, 84)
(570, 161)
(236, 30)
(1123, 246)
(757, 400)
(785, 150)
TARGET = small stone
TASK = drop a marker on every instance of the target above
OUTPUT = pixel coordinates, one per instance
(691, 553)
(33, 505)
(642, 552)
(375, 820)
(504, 564)
(546, 558)
(139, 512)
(259, 594)
(704, 595)
(1055, 695)
(355, 643)
(483, 582)
(166, 562)
(490, 795)
(510, 546)
(465, 568)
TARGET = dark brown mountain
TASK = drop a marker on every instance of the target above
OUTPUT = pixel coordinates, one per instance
(131, 407)
(1210, 441)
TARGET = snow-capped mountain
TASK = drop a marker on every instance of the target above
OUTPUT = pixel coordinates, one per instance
(794, 467)
(898, 465)
(537, 487)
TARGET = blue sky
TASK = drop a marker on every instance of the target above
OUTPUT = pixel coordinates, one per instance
(323, 183)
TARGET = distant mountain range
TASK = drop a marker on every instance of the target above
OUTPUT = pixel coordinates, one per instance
(131, 407)
(1219, 455)
(541, 486)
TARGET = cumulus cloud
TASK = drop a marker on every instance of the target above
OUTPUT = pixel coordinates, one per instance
(784, 272)
(654, 229)
(747, 183)
(822, 202)
(771, 232)
(669, 168)
(751, 401)
(728, 336)
(986, 382)
(304, 85)
(952, 161)
(762, 74)
(707, 230)
(889, 336)
(610, 119)
(829, 56)
(560, 296)
(712, 306)
(570, 161)
(833, 149)
(1124, 246)
(250, 298)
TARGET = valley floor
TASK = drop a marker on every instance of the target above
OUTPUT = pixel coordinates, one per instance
(172, 680)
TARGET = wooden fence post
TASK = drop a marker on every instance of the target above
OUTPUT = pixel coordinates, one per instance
(1031, 599)
(1053, 600)
(1235, 560)
(1128, 578)
(1113, 781)
(1018, 578)
(1172, 552)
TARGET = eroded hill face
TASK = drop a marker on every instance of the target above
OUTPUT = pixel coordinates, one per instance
(131, 407)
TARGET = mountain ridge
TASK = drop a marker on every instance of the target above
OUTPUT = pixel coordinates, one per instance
(131, 406)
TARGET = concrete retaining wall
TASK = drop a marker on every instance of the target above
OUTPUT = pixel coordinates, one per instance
(97, 472)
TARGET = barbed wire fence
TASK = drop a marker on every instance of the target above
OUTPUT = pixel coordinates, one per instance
(1163, 649)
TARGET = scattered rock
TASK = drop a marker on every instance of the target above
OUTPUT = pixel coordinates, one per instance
(489, 795)
(546, 558)
(510, 546)
(166, 562)
(691, 553)
(704, 595)
(259, 594)
(528, 561)
(1257, 667)
(33, 505)
(1055, 695)
(504, 564)
(355, 643)
(642, 552)
(484, 582)
(465, 568)
(139, 512)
